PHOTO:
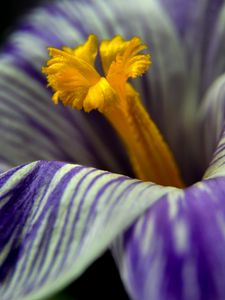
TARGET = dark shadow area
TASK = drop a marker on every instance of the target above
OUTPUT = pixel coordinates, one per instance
(9, 15)
(100, 281)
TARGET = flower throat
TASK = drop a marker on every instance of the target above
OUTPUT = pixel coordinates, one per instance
(72, 75)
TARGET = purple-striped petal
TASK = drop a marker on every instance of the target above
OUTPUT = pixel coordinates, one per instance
(202, 21)
(200, 26)
(217, 165)
(176, 250)
(212, 119)
(57, 218)
(214, 61)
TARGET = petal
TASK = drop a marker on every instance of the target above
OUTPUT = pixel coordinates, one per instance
(189, 16)
(176, 250)
(201, 21)
(215, 61)
(217, 165)
(57, 218)
(212, 120)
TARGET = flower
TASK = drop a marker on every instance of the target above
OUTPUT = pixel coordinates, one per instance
(57, 217)
(75, 81)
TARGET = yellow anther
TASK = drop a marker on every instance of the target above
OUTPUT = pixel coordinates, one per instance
(87, 51)
(72, 75)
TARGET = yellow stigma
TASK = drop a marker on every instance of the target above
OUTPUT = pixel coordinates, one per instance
(72, 75)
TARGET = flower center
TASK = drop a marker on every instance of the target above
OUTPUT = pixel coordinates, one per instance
(72, 75)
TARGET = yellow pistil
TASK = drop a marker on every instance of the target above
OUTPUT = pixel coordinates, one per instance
(72, 75)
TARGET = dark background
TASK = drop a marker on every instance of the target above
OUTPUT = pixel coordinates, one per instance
(12, 9)
(101, 280)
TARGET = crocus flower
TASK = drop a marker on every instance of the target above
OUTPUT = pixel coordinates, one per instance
(60, 211)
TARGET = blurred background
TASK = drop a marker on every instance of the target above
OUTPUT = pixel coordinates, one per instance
(101, 280)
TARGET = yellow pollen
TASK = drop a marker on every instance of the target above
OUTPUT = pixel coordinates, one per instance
(75, 81)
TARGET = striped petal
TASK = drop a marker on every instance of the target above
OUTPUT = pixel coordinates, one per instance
(202, 21)
(176, 249)
(214, 61)
(56, 218)
(217, 165)
(212, 122)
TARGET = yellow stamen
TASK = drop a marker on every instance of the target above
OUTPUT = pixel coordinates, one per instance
(72, 75)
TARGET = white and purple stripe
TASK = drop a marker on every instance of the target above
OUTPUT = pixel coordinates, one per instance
(56, 218)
